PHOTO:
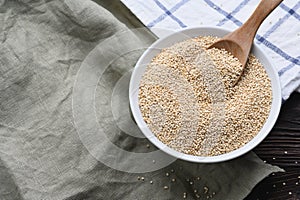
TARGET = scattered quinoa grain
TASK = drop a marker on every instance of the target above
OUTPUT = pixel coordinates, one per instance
(166, 187)
(205, 189)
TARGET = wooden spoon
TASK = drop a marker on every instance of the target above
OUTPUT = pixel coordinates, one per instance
(240, 41)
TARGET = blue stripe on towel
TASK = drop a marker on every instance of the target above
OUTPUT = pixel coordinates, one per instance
(278, 23)
(223, 12)
(290, 66)
(277, 50)
(168, 13)
(291, 11)
(236, 10)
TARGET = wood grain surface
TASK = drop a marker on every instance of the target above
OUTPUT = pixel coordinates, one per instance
(282, 148)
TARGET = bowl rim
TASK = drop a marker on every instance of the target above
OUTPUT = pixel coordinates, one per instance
(189, 33)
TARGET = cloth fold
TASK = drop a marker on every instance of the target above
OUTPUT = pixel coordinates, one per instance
(45, 47)
(277, 35)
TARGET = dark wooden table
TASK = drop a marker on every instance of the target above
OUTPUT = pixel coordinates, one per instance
(281, 147)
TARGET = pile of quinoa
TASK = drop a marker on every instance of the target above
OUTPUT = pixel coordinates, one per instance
(188, 100)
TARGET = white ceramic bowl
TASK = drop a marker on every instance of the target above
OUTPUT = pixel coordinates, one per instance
(155, 48)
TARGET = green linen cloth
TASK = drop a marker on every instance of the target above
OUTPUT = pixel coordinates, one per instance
(46, 151)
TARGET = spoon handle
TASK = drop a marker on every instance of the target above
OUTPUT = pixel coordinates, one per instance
(245, 34)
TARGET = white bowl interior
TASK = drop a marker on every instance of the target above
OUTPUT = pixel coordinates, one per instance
(155, 48)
